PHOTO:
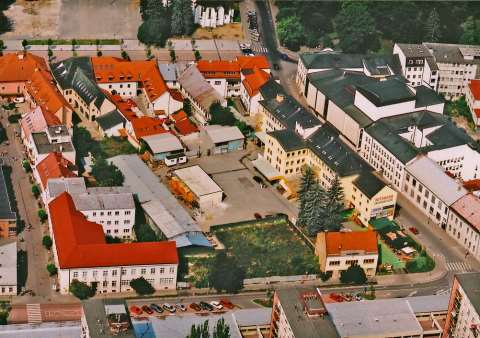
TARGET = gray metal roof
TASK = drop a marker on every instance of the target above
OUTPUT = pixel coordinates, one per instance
(92, 200)
(252, 317)
(6, 208)
(369, 184)
(197, 180)
(378, 318)
(452, 53)
(8, 261)
(470, 284)
(41, 330)
(59, 130)
(168, 71)
(111, 119)
(72, 185)
(162, 143)
(434, 178)
(156, 200)
(219, 134)
(428, 304)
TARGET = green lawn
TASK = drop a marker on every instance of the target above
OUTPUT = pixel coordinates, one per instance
(389, 257)
(268, 250)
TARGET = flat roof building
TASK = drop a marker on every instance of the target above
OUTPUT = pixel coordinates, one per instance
(102, 318)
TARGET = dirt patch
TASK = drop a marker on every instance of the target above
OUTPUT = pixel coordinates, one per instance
(463, 123)
(231, 31)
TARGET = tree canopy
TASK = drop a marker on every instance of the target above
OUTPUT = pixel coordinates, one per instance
(182, 17)
(353, 275)
(220, 330)
(155, 28)
(291, 32)
(221, 115)
(226, 274)
(106, 174)
(142, 286)
(81, 290)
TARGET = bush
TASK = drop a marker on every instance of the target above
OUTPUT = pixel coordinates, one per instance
(47, 242)
(14, 118)
(125, 55)
(111, 240)
(353, 275)
(144, 233)
(42, 214)
(52, 269)
(221, 115)
(81, 290)
(422, 263)
(22, 268)
(226, 274)
(35, 190)
(106, 174)
(26, 166)
(142, 286)
(325, 276)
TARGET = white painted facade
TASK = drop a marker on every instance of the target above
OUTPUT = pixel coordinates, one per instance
(461, 161)
(126, 89)
(117, 278)
(454, 78)
(467, 318)
(473, 104)
(337, 264)
(464, 234)
(115, 222)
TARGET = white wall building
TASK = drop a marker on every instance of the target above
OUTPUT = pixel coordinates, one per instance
(8, 267)
(473, 100)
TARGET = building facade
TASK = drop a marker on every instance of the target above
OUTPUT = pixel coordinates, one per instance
(473, 100)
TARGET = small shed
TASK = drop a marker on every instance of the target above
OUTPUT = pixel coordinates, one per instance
(165, 147)
(224, 139)
(195, 183)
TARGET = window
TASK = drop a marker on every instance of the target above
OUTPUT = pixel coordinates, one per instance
(114, 272)
(218, 83)
(125, 283)
(152, 270)
(368, 261)
(117, 213)
(127, 212)
(114, 283)
(143, 271)
(133, 271)
(84, 274)
(105, 283)
(334, 263)
(75, 274)
(351, 262)
(94, 273)
(172, 269)
(124, 271)
(162, 270)
(105, 273)
(109, 213)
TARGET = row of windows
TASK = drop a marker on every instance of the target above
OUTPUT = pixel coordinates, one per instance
(126, 221)
(133, 271)
(352, 262)
(109, 213)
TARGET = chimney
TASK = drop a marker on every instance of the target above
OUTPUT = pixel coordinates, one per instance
(280, 98)
(20, 56)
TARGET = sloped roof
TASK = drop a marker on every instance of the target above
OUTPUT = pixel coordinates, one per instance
(146, 125)
(161, 143)
(81, 243)
(255, 79)
(111, 119)
(474, 86)
(109, 69)
(20, 67)
(369, 184)
(468, 207)
(338, 242)
(220, 134)
(54, 166)
(6, 208)
(37, 120)
(250, 62)
(289, 139)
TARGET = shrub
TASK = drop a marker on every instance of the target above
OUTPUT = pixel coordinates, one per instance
(14, 118)
(52, 269)
(81, 290)
(47, 242)
(42, 214)
(142, 286)
(26, 166)
(353, 275)
(35, 190)
(325, 276)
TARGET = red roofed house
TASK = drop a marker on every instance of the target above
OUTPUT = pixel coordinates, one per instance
(252, 80)
(336, 251)
(81, 253)
(182, 123)
(16, 70)
(144, 126)
(473, 100)
(54, 165)
(35, 121)
(225, 76)
(129, 78)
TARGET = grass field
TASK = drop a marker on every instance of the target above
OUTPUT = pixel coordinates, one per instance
(268, 250)
(389, 257)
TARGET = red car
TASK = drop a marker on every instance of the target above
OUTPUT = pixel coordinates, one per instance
(414, 230)
(336, 297)
(135, 310)
(227, 303)
(147, 309)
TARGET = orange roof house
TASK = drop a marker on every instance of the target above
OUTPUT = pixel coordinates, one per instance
(110, 69)
(182, 123)
(338, 243)
(474, 87)
(253, 80)
(54, 166)
(20, 67)
(80, 243)
(250, 62)
(231, 69)
(37, 120)
(146, 125)
(125, 106)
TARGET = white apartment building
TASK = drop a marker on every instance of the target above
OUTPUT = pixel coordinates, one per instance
(473, 100)
(81, 253)
(463, 319)
(464, 223)
(111, 207)
(430, 189)
(447, 68)
(8, 267)
(126, 89)
(337, 251)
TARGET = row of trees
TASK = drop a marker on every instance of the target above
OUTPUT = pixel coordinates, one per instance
(320, 209)
(160, 22)
(82, 290)
(224, 116)
(360, 25)
(221, 330)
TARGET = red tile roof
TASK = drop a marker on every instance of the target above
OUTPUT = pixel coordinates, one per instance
(110, 69)
(81, 243)
(40, 86)
(474, 86)
(19, 67)
(336, 242)
(183, 124)
(253, 81)
(179, 115)
(250, 62)
(175, 94)
(54, 166)
(472, 185)
(125, 106)
(38, 120)
(146, 125)
(477, 112)
(219, 68)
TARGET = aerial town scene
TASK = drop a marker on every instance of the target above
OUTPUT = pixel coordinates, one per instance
(239, 169)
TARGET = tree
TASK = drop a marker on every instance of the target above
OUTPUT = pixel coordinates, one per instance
(110, 240)
(52, 269)
(291, 33)
(49, 42)
(197, 55)
(226, 274)
(316, 210)
(334, 205)
(187, 107)
(24, 44)
(221, 330)
(356, 28)
(50, 54)
(173, 56)
(155, 28)
(35, 190)
(182, 17)
(99, 53)
(2, 47)
(199, 331)
(307, 181)
(353, 275)
(244, 127)
(106, 174)
(125, 55)
(42, 214)
(471, 31)
(74, 43)
(432, 27)
(81, 290)
(142, 286)
(221, 115)
(47, 242)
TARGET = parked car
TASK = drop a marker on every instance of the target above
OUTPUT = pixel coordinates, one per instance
(157, 308)
(181, 307)
(195, 307)
(227, 303)
(206, 306)
(414, 230)
(216, 305)
(147, 310)
(257, 215)
(135, 310)
(169, 308)
(336, 297)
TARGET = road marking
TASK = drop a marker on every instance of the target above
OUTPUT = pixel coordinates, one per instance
(458, 266)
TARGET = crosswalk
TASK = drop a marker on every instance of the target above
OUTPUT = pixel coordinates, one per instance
(34, 313)
(458, 266)
(259, 48)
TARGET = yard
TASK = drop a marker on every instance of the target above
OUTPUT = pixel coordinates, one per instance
(231, 31)
(263, 249)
